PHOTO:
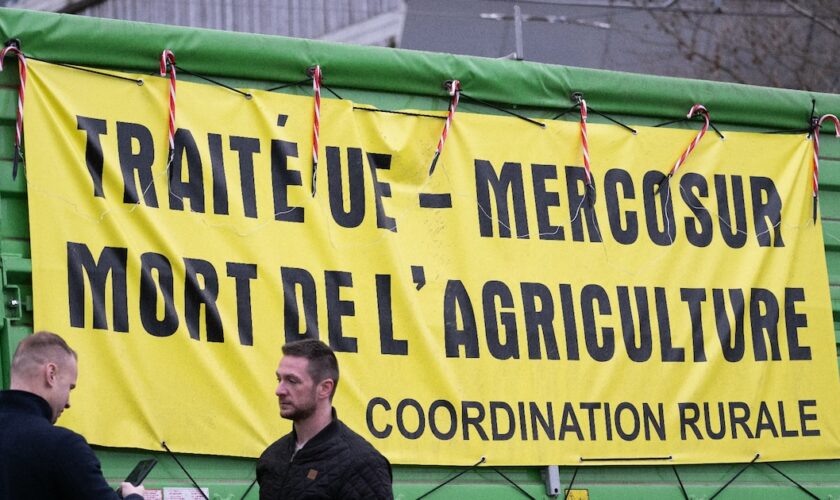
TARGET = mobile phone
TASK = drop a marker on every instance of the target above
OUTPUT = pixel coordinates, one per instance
(139, 473)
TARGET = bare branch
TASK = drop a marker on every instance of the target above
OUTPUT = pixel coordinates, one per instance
(792, 49)
(810, 15)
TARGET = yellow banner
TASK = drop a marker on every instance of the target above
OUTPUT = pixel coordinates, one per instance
(491, 309)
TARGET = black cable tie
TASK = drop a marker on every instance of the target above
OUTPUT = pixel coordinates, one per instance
(578, 97)
(12, 42)
(670, 122)
(513, 483)
(679, 480)
(215, 82)
(456, 476)
(310, 72)
(406, 113)
(137, 81)
(286, 85)
(314, 178)
(16, 156)
(608, 117)
(503, 110)
(434, 163)
(768, 464)
(663, 180)
(815, 203)
(163, 443)
(331, 91)
(812, 123)
(789, 131)
(572, 482)
(563, 113)
(686, 119)
(734, 477)
(248, 490)
(807, 130)
(712, 124)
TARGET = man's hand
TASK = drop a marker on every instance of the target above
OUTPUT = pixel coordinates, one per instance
(130, 489)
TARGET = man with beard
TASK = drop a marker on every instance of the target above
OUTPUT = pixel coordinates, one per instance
(321, 457)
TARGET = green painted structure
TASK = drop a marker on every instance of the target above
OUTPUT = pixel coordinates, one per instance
(396, 79)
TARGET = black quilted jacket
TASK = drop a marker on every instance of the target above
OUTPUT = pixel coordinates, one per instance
(39, 460)
(336, 463)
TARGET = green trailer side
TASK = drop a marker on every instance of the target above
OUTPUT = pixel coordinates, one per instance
(395, 79)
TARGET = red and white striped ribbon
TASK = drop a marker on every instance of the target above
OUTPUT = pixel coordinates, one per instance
(21, 93)
(697, 108)
(316, 123)
(816, 172)
(167, 64)
(454, 88)
(584, 140)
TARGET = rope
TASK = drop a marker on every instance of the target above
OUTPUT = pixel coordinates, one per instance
(14, 49)
(816, 167)
(590, 109)
(454, 89)
(584, 140)
(167, 64)
(696, 109)
(316, 123)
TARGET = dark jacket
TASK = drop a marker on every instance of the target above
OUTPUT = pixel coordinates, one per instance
(335, 463)
(40, 461)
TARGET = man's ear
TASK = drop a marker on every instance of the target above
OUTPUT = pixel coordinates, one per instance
(50, 374)
(325, 388)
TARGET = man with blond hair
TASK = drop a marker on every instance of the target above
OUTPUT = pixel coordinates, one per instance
(39, 460)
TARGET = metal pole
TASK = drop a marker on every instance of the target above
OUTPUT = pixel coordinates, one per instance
(517, 23)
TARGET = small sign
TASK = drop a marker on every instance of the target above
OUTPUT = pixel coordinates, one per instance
(153, 494)
(577, 494)
(185, 494)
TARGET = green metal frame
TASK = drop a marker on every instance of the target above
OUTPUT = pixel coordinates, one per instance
(397, 79)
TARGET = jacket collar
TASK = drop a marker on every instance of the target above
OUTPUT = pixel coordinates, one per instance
(323, 435)
(25, 402)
